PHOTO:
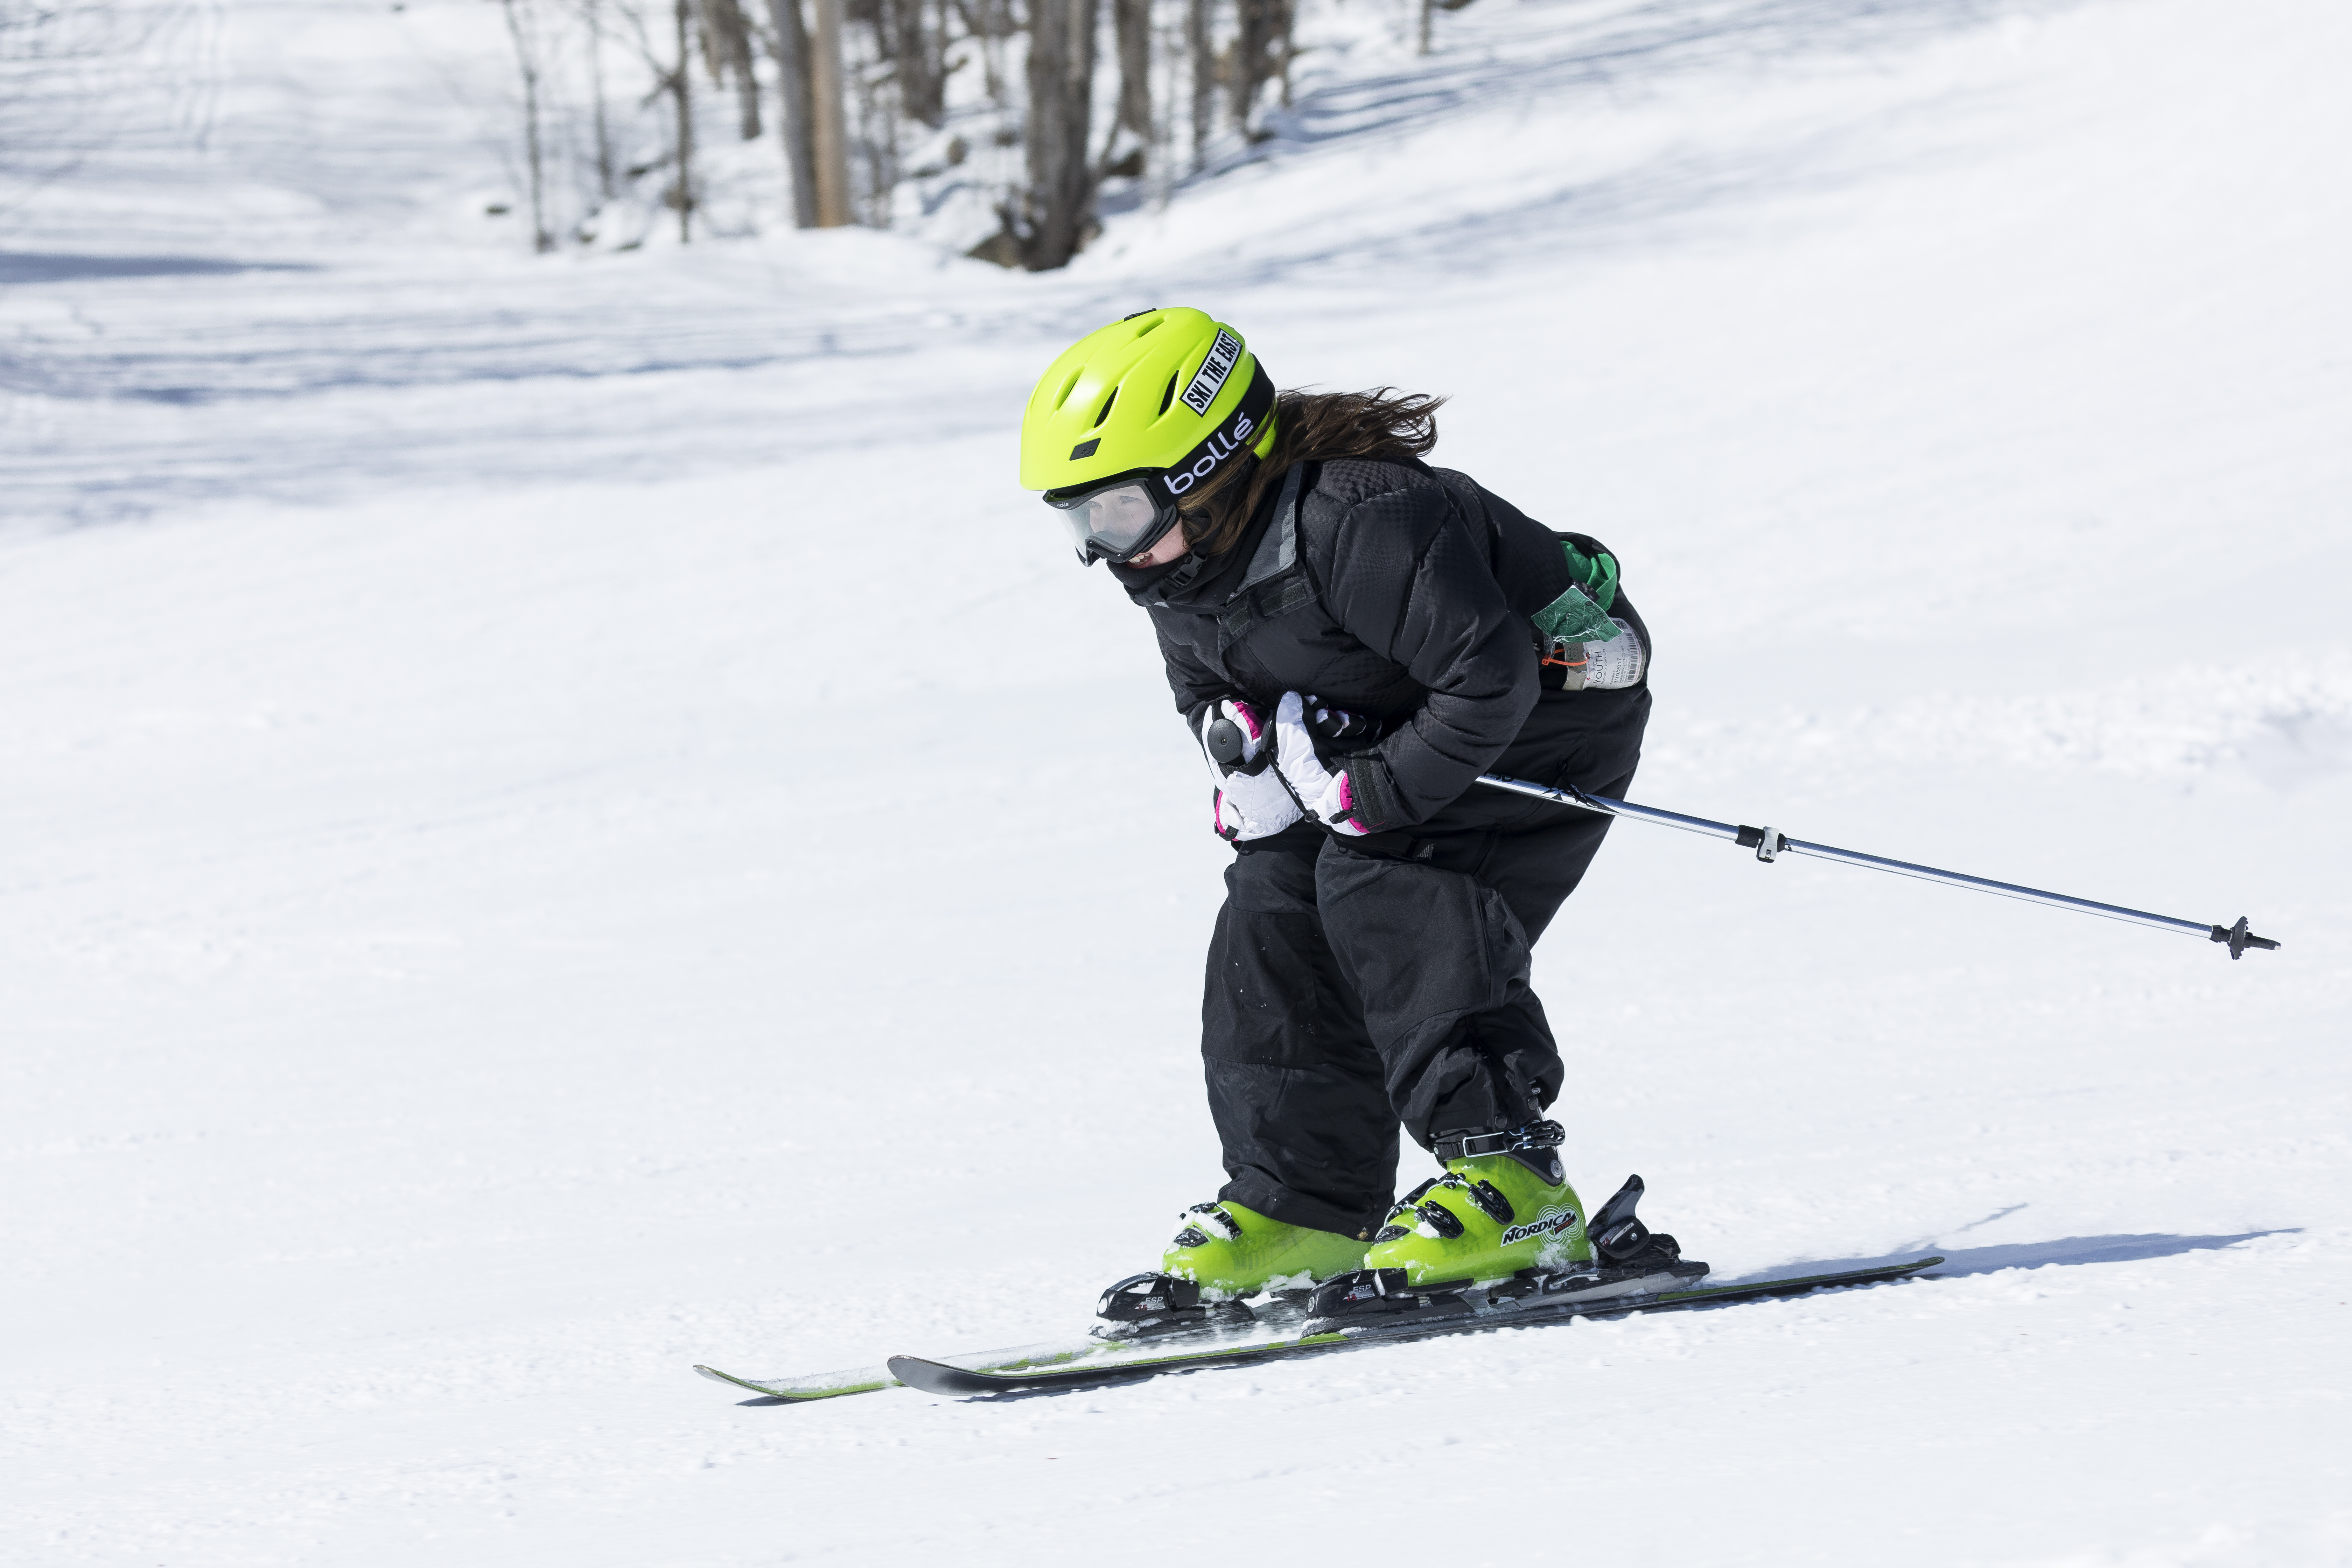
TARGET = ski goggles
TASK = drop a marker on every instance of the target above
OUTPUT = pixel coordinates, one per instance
(1117, 520)
(1120, 518)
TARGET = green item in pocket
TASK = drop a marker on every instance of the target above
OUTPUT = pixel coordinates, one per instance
(1581, 614)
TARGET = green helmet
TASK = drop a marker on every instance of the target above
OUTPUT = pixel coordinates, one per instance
(1134, 415)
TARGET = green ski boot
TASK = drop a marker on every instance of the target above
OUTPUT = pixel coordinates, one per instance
(1231, 1250)
(1489, 1216)
(1223, 1252)
(1501, 1232)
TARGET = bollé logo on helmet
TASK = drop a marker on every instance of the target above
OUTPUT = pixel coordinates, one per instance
(1213, 451)
(1551, 1222)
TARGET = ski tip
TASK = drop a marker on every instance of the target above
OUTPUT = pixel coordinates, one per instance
(741, 1384)
(801, 1390)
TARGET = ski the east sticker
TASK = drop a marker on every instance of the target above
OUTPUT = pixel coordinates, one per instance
(1211, 378)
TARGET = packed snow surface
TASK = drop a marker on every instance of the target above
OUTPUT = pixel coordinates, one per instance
(563, 817)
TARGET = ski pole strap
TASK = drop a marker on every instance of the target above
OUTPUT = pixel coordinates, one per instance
(1470, 1145)
(1771, 843)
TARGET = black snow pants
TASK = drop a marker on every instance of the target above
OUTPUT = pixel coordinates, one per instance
(1357, 984)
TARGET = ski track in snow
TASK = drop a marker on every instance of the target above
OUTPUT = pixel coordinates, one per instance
(562, 819)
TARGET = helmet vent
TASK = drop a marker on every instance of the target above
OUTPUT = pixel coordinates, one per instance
(1106, 408)
(1068, 386)
(1169, 396)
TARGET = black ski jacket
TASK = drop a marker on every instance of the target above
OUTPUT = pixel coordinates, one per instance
(1392, 590)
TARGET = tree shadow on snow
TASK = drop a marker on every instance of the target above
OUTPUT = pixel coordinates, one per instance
(1628, 45)
(32, 267)
(1562, 53)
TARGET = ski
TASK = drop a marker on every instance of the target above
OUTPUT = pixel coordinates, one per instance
(1093, 1361)
(1096, 1363)
(1273, 1321)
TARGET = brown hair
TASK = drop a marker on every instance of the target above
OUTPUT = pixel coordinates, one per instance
(1383, 425)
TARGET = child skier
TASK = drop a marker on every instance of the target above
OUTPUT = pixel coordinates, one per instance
(1353, 637)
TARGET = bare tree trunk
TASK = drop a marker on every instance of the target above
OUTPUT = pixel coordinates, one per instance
(1131, 20)
(727, 46)
(747, 99)
(527, 62)
(1286, 20)
(987, 21)
(682, 193)
(830, 140)
(747, 74)
(1241, 76)
(1060, 205)
(1204, 75)
(917, 51)
(605, 185)
(1261, 51)
(791, 49)
(876, 127)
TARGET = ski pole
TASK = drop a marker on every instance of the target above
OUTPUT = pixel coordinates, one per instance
(1770, 844)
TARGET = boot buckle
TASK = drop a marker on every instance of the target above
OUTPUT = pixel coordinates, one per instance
(1472, 1145)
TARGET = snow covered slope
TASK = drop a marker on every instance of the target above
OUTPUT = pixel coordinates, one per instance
(526, 866)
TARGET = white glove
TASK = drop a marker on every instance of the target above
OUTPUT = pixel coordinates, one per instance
(1322, 791)
(1251, 800)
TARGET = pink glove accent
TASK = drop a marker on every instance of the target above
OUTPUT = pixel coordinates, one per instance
(1323, 792)
(1338, 809)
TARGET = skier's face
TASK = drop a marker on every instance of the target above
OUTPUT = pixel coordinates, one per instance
(1172, 545)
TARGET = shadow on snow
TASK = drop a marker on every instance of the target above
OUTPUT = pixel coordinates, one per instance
(2065, 1251)
(31, 267)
